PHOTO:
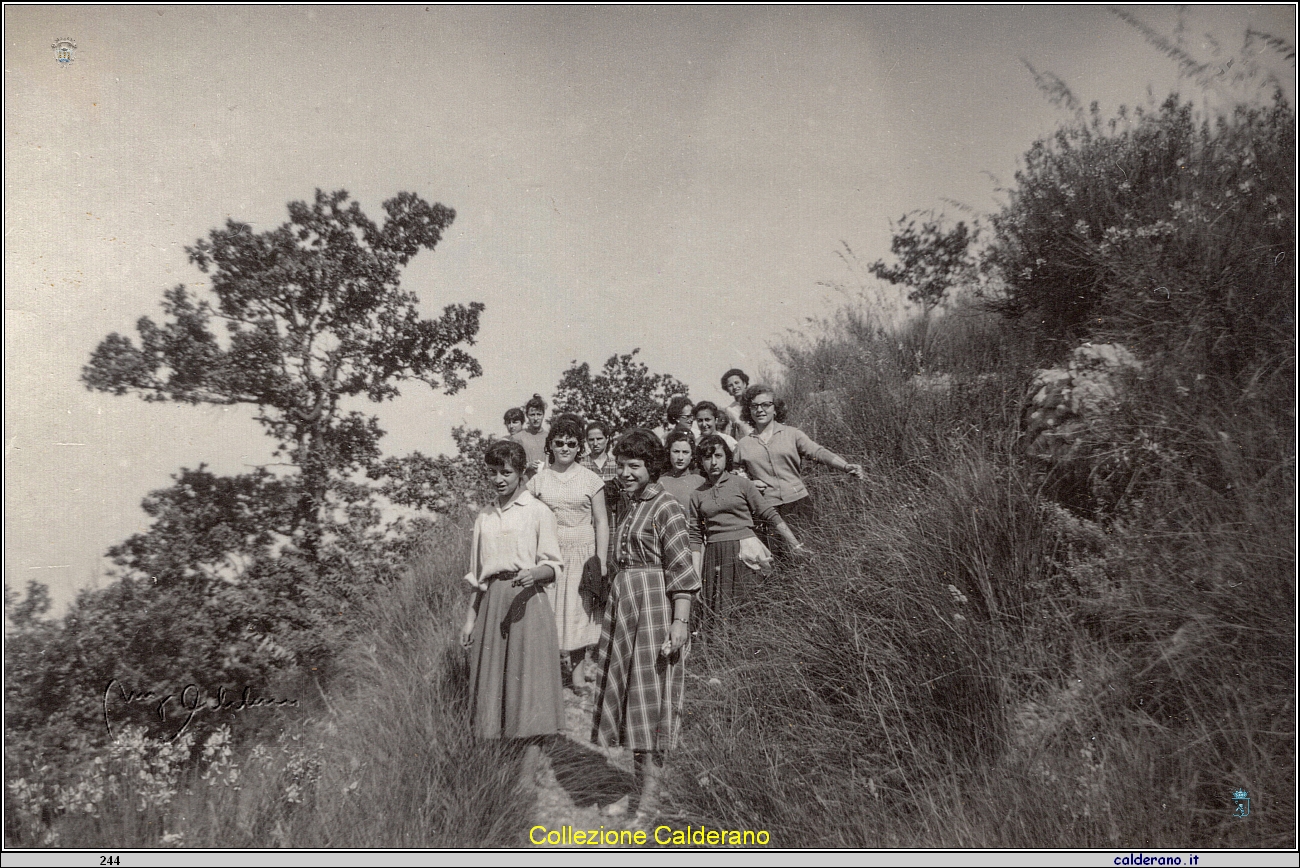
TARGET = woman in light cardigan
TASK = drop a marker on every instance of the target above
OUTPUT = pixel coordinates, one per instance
(772, 453)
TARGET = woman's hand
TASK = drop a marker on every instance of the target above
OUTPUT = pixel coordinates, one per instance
(855, 470)
(534, 576)
(467, 634)
(678, 633)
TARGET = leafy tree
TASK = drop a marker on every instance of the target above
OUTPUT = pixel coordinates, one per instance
(28, 611)
(623, 394)
(313, 314)
(240, 576)
(443, 484)
(931, 258)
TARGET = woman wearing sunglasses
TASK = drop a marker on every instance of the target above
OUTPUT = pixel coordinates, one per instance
(577, 497)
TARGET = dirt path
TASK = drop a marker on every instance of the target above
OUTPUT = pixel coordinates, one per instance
(578, 778)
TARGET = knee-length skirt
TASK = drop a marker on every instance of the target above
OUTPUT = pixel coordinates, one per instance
(577, 616)
(514, 666)
(638, 691)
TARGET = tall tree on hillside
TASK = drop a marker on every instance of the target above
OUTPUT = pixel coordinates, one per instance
(624, 394)
(312, 313)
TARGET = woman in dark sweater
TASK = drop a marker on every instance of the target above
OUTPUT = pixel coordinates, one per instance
(721, 521)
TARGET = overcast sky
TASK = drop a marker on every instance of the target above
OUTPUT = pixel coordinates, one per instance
(676, 179)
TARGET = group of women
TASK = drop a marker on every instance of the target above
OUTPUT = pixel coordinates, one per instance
(602, 560)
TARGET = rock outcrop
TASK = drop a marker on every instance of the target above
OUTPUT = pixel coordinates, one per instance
(1066, 402)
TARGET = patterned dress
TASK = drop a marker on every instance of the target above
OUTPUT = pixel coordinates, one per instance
(639, 692)
(514, 665)
(569, 495)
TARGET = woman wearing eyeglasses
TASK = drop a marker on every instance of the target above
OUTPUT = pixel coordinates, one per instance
(678, 416)
(577, 497)
(773, 453)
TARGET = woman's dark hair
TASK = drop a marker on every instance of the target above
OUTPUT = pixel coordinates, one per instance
(734, 372)
(506, 453)
(707, 442)
(674, 408)
(778, 410)
(535, 403)
(640, 444)
(566, 425)
(674, 437)
(514, 414)
(710, 406)
(594, 424)
(578, 420)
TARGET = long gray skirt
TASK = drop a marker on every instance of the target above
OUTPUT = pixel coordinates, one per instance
(514, 665)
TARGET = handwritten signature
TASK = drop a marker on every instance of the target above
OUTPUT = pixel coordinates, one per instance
(189, 702)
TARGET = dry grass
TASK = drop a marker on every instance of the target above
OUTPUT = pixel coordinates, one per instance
(968, 664)
(385, 759)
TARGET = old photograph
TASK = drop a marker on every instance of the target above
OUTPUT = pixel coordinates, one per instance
(650, 427)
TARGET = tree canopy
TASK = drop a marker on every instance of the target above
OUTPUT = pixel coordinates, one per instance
(312, 313)
(623, 394)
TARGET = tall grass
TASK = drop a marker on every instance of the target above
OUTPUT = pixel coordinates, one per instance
(382, 756)
(967, 663)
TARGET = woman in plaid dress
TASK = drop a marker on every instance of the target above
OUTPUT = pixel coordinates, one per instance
(640, 662)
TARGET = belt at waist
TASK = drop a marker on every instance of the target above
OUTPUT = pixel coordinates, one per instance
(658, 568)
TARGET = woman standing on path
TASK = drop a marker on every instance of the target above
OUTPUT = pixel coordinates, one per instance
(509, 631)
(640, 662)
(722, 516)
(772, 453)
(577, 497)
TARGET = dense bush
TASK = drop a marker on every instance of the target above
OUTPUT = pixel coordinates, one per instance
(1166, 228)
(968, 663)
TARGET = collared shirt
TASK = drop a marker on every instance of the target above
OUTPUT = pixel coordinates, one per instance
(727, 510)
(519, 537)
(777, 462)
(653, 534)
(607, 471)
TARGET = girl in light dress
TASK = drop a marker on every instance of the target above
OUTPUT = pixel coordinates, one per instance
(577, 497)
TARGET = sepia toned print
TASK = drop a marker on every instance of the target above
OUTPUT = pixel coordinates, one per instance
(985, 313)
